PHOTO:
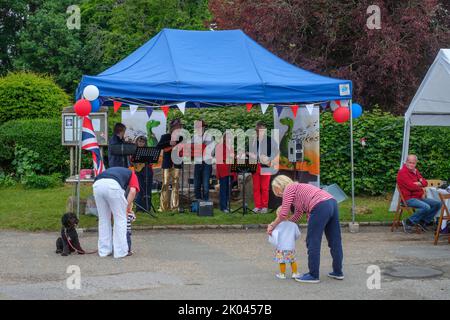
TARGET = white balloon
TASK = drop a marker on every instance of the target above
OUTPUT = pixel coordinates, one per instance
(91, 92)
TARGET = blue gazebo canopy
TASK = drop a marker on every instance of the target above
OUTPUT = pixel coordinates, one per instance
(212, 66)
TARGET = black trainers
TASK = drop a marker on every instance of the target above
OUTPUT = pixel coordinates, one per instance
(407, 226)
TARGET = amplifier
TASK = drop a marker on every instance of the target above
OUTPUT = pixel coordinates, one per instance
(205, 209)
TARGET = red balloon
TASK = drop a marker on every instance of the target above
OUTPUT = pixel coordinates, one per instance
(83, 107)
(341, 114)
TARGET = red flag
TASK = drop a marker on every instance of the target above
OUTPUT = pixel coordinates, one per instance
(165, 109)
(294, 109)
(338, 102)
(249, 106)
(117, 106)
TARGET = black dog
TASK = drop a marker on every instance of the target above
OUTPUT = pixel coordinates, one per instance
(68, 233)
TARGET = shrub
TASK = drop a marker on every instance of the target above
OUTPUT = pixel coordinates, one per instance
(6, 180)
(30, 96)
(42, 136)
(25, 161)
(377, 163)
(35, 181)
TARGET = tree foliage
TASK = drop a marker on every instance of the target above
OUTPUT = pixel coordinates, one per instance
(110, 30)
(331, 37)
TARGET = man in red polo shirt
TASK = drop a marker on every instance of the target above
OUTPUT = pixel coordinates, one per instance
(411, 183)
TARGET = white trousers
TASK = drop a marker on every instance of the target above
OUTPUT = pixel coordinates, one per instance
(110, 198)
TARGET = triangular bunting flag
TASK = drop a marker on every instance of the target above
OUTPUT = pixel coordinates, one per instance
(182, 107)
(149, 111)
(197, 104)
(310, 108)
(279, 110)
(264, 107)
(117, 106)
(249, 106)
(294, 109)
(338, 102)
(324, 105)
(165, 109)
(133, 109)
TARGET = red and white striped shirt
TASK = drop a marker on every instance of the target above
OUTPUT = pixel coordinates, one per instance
(304, 197)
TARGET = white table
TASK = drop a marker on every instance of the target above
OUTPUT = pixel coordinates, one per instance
(433, 193)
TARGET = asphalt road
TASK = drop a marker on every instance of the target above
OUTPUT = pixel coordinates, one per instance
(218, 264)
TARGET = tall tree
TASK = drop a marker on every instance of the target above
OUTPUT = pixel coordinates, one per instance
(13, 16)
(331, 37)
(110, 30)
(48, 46)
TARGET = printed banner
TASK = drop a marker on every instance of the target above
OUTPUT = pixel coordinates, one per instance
(299, 142)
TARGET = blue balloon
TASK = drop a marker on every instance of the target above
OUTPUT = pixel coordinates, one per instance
(95, 105)
(356, 110)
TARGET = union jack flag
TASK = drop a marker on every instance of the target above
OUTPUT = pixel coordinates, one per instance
(89, 142)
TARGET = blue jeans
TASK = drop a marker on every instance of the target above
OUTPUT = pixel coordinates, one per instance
(224, 192)
(324, 218)
(202, 174)
(426, 209)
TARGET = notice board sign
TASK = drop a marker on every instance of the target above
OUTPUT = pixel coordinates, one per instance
(71, 124)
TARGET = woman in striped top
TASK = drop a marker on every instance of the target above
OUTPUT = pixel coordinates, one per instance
(323, 216)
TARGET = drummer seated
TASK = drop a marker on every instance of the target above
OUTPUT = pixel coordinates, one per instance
(411, 183)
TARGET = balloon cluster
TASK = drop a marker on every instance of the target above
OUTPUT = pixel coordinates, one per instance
(342, 114)
(90, 102)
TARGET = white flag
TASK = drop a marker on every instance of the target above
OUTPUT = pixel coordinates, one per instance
(182, 107)
(264, 107)
(133, 108)
(310, 108)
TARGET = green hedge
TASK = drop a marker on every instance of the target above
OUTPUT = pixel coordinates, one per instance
(30, 96)
(377, 163)
(40, 135)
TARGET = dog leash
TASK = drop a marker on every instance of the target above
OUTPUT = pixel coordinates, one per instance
(78, 251)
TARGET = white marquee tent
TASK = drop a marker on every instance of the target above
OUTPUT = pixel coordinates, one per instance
(430, 105)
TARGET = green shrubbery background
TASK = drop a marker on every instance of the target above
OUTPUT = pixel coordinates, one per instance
(26, 95)
(30, 118)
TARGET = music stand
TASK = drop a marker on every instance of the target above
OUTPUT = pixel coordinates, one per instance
(147, 155)
(243, 168)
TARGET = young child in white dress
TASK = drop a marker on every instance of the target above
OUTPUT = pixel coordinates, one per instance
(283, 238)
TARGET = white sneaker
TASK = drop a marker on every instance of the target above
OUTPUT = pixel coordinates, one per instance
(295, 275)
(256, 210)
(280, 276)
(263, 210)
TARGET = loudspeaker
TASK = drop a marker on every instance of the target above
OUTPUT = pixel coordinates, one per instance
(295, 150)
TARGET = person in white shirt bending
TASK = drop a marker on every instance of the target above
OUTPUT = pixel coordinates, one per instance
(283, 237)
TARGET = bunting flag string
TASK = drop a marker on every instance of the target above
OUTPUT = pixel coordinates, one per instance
(279, 110)
(182, 107)
(149, 111)
(165, 109)
(117, 106)
(264, 107)
(133, 109)
(294, 109)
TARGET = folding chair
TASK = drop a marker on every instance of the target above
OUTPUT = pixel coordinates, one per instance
(442, 217)
(401, 207)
